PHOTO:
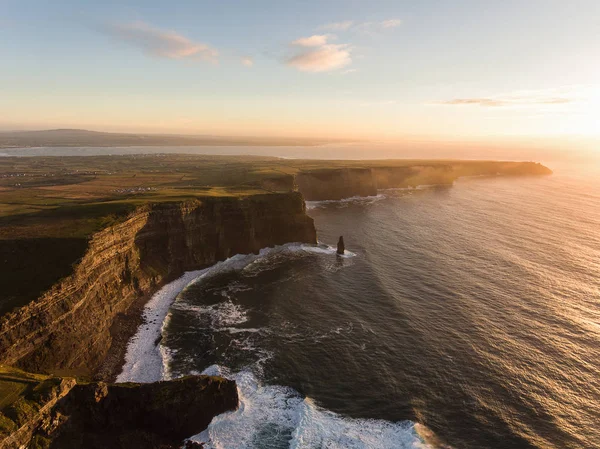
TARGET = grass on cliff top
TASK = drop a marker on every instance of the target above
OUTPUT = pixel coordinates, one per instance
(50, 206)
(22, 394)
(14, 383)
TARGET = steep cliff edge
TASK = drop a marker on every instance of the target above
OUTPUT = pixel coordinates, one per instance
(67, 330)
(124, 416)
(339, 183)
(336, 183)
(60, 413)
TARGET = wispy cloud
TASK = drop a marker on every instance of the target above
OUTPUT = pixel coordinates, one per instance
(510, 100)
(364, 27)
(162, 43)
(392, 23)
(338, 26)
(322, 59)
(316, 54)
(315, 40)
(247, 61)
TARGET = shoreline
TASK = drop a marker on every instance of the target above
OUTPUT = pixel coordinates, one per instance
(134, 332)
(122, 331)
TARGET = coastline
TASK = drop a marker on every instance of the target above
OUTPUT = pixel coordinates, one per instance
(136, 356)
(122, 331)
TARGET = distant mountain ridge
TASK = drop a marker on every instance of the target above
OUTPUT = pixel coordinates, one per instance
(67, 137)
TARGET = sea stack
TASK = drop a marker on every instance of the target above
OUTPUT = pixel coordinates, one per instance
(340, 245)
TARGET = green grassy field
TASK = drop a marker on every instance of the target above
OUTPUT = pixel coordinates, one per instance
(22, 395)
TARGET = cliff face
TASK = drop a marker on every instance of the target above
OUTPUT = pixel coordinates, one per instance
(59, 413)
(67, 330)
(412, 176)
(339, 183)
(158, 415)
(336, 184)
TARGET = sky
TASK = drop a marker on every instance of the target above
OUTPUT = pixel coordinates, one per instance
(358, 69)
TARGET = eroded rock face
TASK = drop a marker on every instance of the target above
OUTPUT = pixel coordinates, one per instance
(157, 415)
(67, 330)
(336, 184)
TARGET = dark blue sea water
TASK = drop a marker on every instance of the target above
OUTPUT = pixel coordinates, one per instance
(464, 317)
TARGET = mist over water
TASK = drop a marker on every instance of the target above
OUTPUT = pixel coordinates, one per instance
(472, 310)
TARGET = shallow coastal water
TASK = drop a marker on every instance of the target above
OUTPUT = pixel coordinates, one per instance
(472, 310)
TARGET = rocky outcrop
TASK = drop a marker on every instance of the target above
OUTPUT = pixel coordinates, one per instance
(59, 413)
(339, 183)
(20, 419)
(336, 184)
(157, 415)
(340, 246)
(67, 330)
(413, 176)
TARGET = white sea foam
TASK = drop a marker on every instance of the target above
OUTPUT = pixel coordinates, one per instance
(268, 414)
(220, 315)
(145, 360)
(345, 202)
(277, 416)
(367, 200)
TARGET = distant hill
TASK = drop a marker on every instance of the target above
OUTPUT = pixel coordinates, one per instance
(85, 138)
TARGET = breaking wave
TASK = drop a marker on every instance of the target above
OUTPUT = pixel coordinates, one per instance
(275, 416)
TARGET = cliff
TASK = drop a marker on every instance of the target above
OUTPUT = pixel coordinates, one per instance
(339, 183)
(336, 183)
(59, 413)
(67, 331)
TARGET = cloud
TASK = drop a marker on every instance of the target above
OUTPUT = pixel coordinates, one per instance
(161, 43)
(507, 101)
(392, 23)
(347, 71)
(316, 40)
(322, 59)
(365, 27)
(338, 26)
(247, 61)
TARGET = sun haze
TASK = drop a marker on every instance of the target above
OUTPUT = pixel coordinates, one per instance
(467, 71)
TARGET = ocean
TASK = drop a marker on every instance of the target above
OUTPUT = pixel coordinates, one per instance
(460, 317)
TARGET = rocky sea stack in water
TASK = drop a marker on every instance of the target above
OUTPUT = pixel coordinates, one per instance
(340, 246)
